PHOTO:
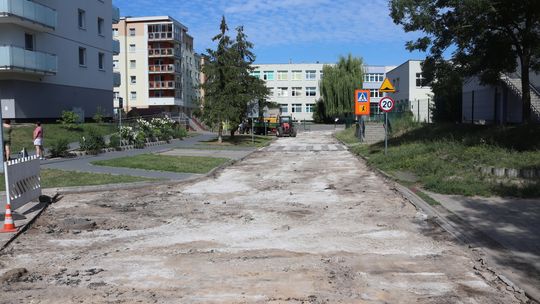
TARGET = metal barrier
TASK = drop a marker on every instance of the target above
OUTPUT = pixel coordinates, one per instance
(23, 182)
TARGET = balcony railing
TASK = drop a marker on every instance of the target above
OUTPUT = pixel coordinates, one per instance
(18, 59)
(157, 85)
(160, 36)
(163, 68)
(115, 47)
(29, 11)
(115, 14)
(163, 52)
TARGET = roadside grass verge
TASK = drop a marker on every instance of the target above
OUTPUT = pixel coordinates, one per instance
(52, 178)
(445, 158)
(241, 141)
(179, 164)
(21, 136)
(347, 136)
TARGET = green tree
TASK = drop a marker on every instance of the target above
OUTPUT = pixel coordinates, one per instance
(338, 85)
(447, 87)
(490, 37)
(229, 87)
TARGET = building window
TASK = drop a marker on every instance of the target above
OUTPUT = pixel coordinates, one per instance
(283, 92)
(132, 64)
(311, 75)
(256, 74)
(322, 74)
(311, 91)
(296, 75)
(101, 61)
(375, 93)
(373, 77)
(100, 23)
(82, 19)
(284, 108)
(115, 32)
(296, 92)
(82, 56)
(133, 79)
(133, 95)
(420, 81)
(271, 91)
(268, 75)
(132, 48)
(116, 64)
(309, 107)
(116, 95)
(297, 108)
(282, 75)
(132, 32)
(28, 42)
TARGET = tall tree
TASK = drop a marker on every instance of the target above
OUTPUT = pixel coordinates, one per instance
(339, 83)
(229, 87)
(490, 37)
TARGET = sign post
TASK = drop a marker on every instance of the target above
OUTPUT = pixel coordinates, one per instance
(361, 107)
(386, 104)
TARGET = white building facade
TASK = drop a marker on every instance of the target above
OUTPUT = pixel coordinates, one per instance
(56, 55)
(411, 92)
(296, 87)
(158, 65)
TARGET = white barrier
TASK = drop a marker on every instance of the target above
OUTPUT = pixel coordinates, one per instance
(23, 182)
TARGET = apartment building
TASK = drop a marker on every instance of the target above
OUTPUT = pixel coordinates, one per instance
(56, 55)
(157, 63)
(296, 87)
(412, 94)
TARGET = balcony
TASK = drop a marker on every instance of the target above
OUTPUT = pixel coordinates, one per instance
(17, 59)
(115, 15)
(116, 47)
(161, 85)
(28, 14)
(163, 52)
(163, 68)
(117, 79)
(160, 36)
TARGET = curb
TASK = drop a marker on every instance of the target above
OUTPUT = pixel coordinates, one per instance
(464, 237)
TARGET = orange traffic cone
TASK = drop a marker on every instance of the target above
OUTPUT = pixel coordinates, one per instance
(9, 225)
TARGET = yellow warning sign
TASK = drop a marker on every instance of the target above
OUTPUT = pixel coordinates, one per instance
(387, 87)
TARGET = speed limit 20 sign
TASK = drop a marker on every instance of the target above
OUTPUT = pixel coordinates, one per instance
(386, 104)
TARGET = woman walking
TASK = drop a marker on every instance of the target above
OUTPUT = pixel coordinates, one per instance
(38, 140)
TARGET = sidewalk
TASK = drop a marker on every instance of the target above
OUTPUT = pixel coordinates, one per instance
(512, 227)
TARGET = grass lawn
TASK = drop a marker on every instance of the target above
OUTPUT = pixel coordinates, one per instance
(180, 164)
(52, 178)
(242, 141)
(444, 157)
(21, 135)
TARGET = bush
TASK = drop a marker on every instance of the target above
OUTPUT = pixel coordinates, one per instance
(69, 120)
(59, 148)
(179, 132)
(139, 141)
(92, 142)
(114, 141)
(98, 117)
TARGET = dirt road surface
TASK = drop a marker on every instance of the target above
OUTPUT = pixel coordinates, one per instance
(302, 221)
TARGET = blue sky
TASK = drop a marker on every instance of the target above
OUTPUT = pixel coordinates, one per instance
(291, 30)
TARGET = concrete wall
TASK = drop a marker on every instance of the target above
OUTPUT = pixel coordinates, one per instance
(35, 100)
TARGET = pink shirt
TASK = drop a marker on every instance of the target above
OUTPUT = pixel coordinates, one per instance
(38, 132)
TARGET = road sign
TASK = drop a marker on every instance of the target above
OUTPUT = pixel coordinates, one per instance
(386, 104)
(387, 87)
(361, 102)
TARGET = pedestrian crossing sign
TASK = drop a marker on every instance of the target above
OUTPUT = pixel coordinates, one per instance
(361, 102)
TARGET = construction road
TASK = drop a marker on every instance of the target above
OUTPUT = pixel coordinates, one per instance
(302, 221)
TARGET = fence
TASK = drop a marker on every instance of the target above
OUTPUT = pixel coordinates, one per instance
(420, 108)
(23, 182)
(491, 105)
